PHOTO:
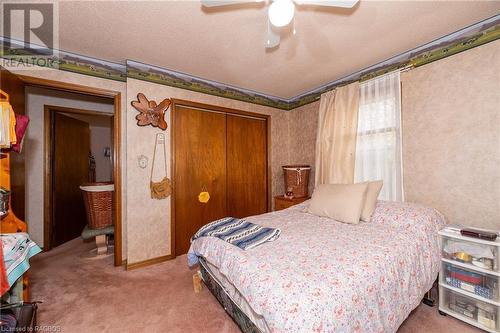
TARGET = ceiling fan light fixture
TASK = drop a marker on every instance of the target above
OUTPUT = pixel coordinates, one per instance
(281, 12)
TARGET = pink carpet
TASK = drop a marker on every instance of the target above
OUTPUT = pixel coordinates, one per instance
(82, 295)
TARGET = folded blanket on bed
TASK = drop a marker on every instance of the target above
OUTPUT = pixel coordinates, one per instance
(240, 233)
(237, 232)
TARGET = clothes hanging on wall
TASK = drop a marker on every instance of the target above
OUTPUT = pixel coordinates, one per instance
(7, 125)
(12, 126)
(22, 122)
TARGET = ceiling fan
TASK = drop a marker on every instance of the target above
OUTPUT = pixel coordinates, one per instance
(280, 12)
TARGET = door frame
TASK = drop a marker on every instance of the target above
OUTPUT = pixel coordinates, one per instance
(218, 109)
(49, 112)
(117, 147)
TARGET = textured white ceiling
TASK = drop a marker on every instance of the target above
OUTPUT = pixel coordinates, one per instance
(227, 45)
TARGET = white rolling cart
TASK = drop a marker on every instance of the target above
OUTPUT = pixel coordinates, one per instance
(469, 279)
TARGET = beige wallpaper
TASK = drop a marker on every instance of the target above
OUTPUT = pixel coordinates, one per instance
(303, 125)
(149, 220)
(451, 136)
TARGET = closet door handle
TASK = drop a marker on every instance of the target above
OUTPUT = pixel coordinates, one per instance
(204, 195)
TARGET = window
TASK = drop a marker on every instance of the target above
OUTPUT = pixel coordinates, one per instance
(378, 145)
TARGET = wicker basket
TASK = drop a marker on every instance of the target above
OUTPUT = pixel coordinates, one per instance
(297, 179)
(98, 198)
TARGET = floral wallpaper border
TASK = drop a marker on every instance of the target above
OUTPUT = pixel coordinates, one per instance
(13, 50)
(141, 71)
(475, 35)
(472, 36)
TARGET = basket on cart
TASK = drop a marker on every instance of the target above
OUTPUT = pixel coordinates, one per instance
(98, 198)
(297, 179)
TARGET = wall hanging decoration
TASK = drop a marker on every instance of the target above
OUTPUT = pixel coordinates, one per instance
(150, 113)
(163, 188)
(22, 122)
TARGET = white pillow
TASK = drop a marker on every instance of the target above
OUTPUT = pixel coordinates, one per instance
(341, 202)
(372, 193)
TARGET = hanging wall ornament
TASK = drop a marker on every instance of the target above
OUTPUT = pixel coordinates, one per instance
(150, 113)
(163, 188)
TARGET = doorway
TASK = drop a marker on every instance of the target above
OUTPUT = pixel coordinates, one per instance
(15, 85)
(78, 150)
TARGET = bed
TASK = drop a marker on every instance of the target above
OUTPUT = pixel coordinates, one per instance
(326, 276)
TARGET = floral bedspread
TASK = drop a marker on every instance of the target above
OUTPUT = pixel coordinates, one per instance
(326, 276)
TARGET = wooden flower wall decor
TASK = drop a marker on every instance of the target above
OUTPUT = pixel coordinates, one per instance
(150, 113)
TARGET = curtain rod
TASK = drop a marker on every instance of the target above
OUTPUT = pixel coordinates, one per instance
(367, 77)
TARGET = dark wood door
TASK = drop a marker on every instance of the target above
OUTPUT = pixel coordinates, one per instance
(14, 86)
(71, 147)
(246, 166)
(200, 164)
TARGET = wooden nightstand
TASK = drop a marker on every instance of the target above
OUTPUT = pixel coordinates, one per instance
(280, 202)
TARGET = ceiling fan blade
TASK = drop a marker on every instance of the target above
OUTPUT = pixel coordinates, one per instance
(329, 3)
(272, 37)
(218, 3)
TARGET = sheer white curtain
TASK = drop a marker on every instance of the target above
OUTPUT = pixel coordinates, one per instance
(378, 147)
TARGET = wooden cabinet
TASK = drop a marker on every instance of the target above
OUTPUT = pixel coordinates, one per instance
(280, 202)
(223, 152)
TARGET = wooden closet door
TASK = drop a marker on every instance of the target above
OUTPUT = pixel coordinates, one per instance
(200, 162)
(246, 166)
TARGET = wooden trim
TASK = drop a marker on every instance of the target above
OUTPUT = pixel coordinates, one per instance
(208, 107)
(184, 103)
(117, 178)
(47, 178)
(173, 108)
(269, 168)
(69, 87)
(149, 262)
(77, 111)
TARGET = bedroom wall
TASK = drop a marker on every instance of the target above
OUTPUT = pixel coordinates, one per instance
(146, 222)
(451, 136)
(148, 219)
(464, 186)
(302, 130)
